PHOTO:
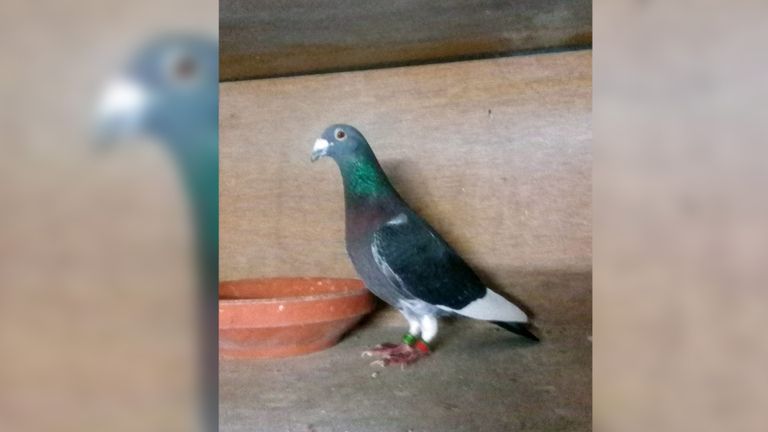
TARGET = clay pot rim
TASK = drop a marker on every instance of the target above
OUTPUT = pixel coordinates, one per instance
(245, 306)
(347, 292)
(294, 299)
(249, 325)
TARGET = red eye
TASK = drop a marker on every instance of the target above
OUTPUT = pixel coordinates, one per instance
(181, 68)
(340, 134)
(185, 68)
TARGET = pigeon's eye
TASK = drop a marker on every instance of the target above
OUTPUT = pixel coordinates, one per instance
(182, 68)
(340, 134)
(185, 69)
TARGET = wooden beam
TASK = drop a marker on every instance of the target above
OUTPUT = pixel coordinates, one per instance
(289, 37)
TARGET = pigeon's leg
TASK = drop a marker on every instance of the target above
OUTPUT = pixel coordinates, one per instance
(428, 328)
(388, 349)
(408, 354)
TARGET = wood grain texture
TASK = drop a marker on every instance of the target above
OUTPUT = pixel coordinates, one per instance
(494, 153)
(283, 37)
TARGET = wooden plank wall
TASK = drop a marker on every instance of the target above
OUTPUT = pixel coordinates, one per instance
(288, 37)
(494, 153)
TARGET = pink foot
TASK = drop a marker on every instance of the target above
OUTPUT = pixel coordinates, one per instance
(387, 350)
(397, 354)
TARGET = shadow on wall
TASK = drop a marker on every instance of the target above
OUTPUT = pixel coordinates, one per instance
(554, 298)
(402, 174)
(552, 295)
(414, 189)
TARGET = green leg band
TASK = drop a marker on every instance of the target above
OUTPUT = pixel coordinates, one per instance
(409, 339)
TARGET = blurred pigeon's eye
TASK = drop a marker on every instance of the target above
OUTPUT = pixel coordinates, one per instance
(183, 68)
(340, 134)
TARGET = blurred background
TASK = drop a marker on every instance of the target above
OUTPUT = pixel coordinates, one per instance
(680, 216)
(98, 280)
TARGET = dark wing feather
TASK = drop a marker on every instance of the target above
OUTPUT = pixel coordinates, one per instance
(416, 260)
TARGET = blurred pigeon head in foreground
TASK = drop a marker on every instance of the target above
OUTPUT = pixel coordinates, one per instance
(168, 87)
(169, 91)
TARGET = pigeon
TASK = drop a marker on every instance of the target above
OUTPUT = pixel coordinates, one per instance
(169, 91)
(402, 259)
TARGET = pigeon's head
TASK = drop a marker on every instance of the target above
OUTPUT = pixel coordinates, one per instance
(340, 142)
(170, 84)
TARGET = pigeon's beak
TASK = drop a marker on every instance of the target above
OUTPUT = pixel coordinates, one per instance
(120, 111)
(320, 149)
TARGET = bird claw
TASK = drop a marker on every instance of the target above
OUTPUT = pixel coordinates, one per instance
(394, 354)
(383, 349)
(385, 346)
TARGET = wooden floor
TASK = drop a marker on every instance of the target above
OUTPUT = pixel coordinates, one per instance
(479, 378)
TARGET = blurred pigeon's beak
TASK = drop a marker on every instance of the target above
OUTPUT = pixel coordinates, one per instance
(120, 111)
(320, 149)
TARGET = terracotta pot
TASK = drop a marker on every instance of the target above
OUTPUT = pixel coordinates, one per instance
(284, 317)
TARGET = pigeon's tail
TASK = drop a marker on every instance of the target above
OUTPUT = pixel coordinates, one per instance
(519, 328)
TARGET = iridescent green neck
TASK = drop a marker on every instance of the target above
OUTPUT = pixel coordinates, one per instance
(363, 178)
